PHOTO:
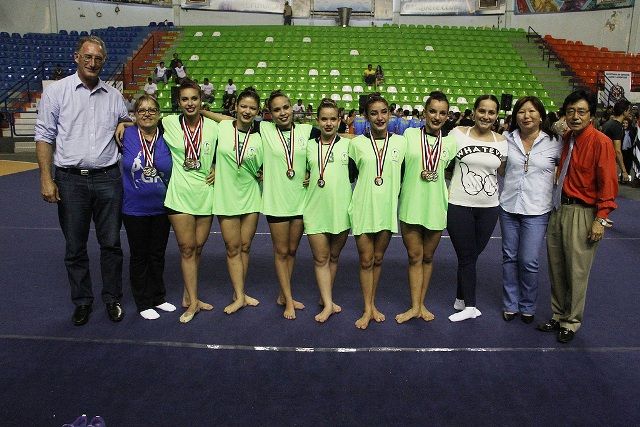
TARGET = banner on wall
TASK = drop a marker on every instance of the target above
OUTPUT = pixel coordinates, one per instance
(452, 7)
(617, 85)
(264, 6)
(333, 5)
(555, 6)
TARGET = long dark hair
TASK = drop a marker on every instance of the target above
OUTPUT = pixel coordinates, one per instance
(249, 92)
(374, 97)
(276, 94)
(485, 97)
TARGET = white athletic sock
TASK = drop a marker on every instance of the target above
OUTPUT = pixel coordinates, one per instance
(149, 314)
(467, 313)
(165, 306)
(459, 304)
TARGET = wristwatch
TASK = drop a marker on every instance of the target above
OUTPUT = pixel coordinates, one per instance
(603, 222)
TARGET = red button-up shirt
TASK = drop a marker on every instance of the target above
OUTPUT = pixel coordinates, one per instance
(592, 176)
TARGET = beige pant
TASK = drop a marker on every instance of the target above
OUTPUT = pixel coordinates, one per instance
(570, 255)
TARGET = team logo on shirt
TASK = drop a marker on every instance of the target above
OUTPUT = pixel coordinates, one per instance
(395, 155)
(344, 158)
(251, 152)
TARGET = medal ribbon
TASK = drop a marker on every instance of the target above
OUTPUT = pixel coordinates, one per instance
(148, 148)
(192, 140)
(430, 156)
(380, 157)
(241, 152)
(323, 161)
(288, 150)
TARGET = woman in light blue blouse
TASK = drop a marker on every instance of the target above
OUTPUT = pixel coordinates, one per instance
(525, 205)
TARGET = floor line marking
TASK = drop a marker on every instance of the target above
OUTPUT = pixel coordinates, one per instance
(293, 349)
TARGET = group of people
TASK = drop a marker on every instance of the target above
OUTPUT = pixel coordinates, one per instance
(373, 77)
(183, 169)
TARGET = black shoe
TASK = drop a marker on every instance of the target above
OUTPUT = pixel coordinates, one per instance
(115, 311)
(550, 326)
(527, 318)
(508, 317)
(565, 335)
(81, 315)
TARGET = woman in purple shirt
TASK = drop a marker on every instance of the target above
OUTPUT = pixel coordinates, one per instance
(146, 164)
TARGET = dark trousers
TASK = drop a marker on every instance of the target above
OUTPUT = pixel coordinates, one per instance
(470, 230)
(147, 236)
(83, 198)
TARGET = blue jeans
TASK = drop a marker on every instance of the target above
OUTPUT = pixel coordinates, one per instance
(522, 237)
(83, 198)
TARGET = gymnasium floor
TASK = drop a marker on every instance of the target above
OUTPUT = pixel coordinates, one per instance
(256, 368)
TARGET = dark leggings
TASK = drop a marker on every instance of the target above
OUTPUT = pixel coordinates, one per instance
(470, 230)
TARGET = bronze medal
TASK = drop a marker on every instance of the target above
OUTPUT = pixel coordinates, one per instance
(291, 173)
(425, 175)
(321, 183)
(378, 181)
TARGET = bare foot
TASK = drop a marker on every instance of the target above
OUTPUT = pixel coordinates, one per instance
(204, 306)
(188, 315)
(377, 316)
(289, 311)
(235, 305)
(426, 315)
(250, 300)
(408, 315)
(297, 305)
(326, 312)
(363, 322)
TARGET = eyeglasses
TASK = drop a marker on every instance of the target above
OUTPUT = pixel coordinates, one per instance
(149, 111)
(526, 163)
(87, 58)
(580, 112)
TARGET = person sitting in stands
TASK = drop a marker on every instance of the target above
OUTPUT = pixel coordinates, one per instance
(369, 75)
(207, 91)
(150, 88)
(161, 74)
(298, 111)
(379, 76)
(180, 72)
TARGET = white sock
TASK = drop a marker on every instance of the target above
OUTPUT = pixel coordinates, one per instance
(149, 314)
(467, 313)
(165, 306)
(459, 304)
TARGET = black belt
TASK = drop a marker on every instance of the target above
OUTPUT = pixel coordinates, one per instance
(87, 172)
(566, 200)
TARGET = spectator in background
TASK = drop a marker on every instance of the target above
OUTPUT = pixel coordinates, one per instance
(309, 112)
(379, 76)
(173, 64)
(229, 92)
(466, 118)
(207, 91)
(369, 75)
(560, 127)
(129, 102)
(287, 13)
(349, 121)
(298, 111)
(161, 73)
(150, 88)
(630, 133)
(180, 72)
(57, 73)
(615, 131)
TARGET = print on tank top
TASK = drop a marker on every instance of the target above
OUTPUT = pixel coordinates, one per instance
(473, 182)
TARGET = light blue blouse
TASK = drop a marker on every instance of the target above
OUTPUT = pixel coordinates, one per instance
(528, 180)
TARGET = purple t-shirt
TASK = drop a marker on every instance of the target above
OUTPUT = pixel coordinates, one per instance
(143, 196)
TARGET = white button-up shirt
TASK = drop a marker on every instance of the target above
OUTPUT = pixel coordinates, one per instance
(528, 180)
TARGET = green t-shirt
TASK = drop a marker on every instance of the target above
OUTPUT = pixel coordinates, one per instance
(424, 202)
(282, 196)
(188, 191)
(236, 190)
(374, 208)
(326, 208)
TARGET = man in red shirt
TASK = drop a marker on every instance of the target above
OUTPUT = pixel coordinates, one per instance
(588, 190)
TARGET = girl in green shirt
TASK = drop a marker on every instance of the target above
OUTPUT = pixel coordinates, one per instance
(325, 215)
(423, 199)
(373, 210)
(191, 140)
(237, 197)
